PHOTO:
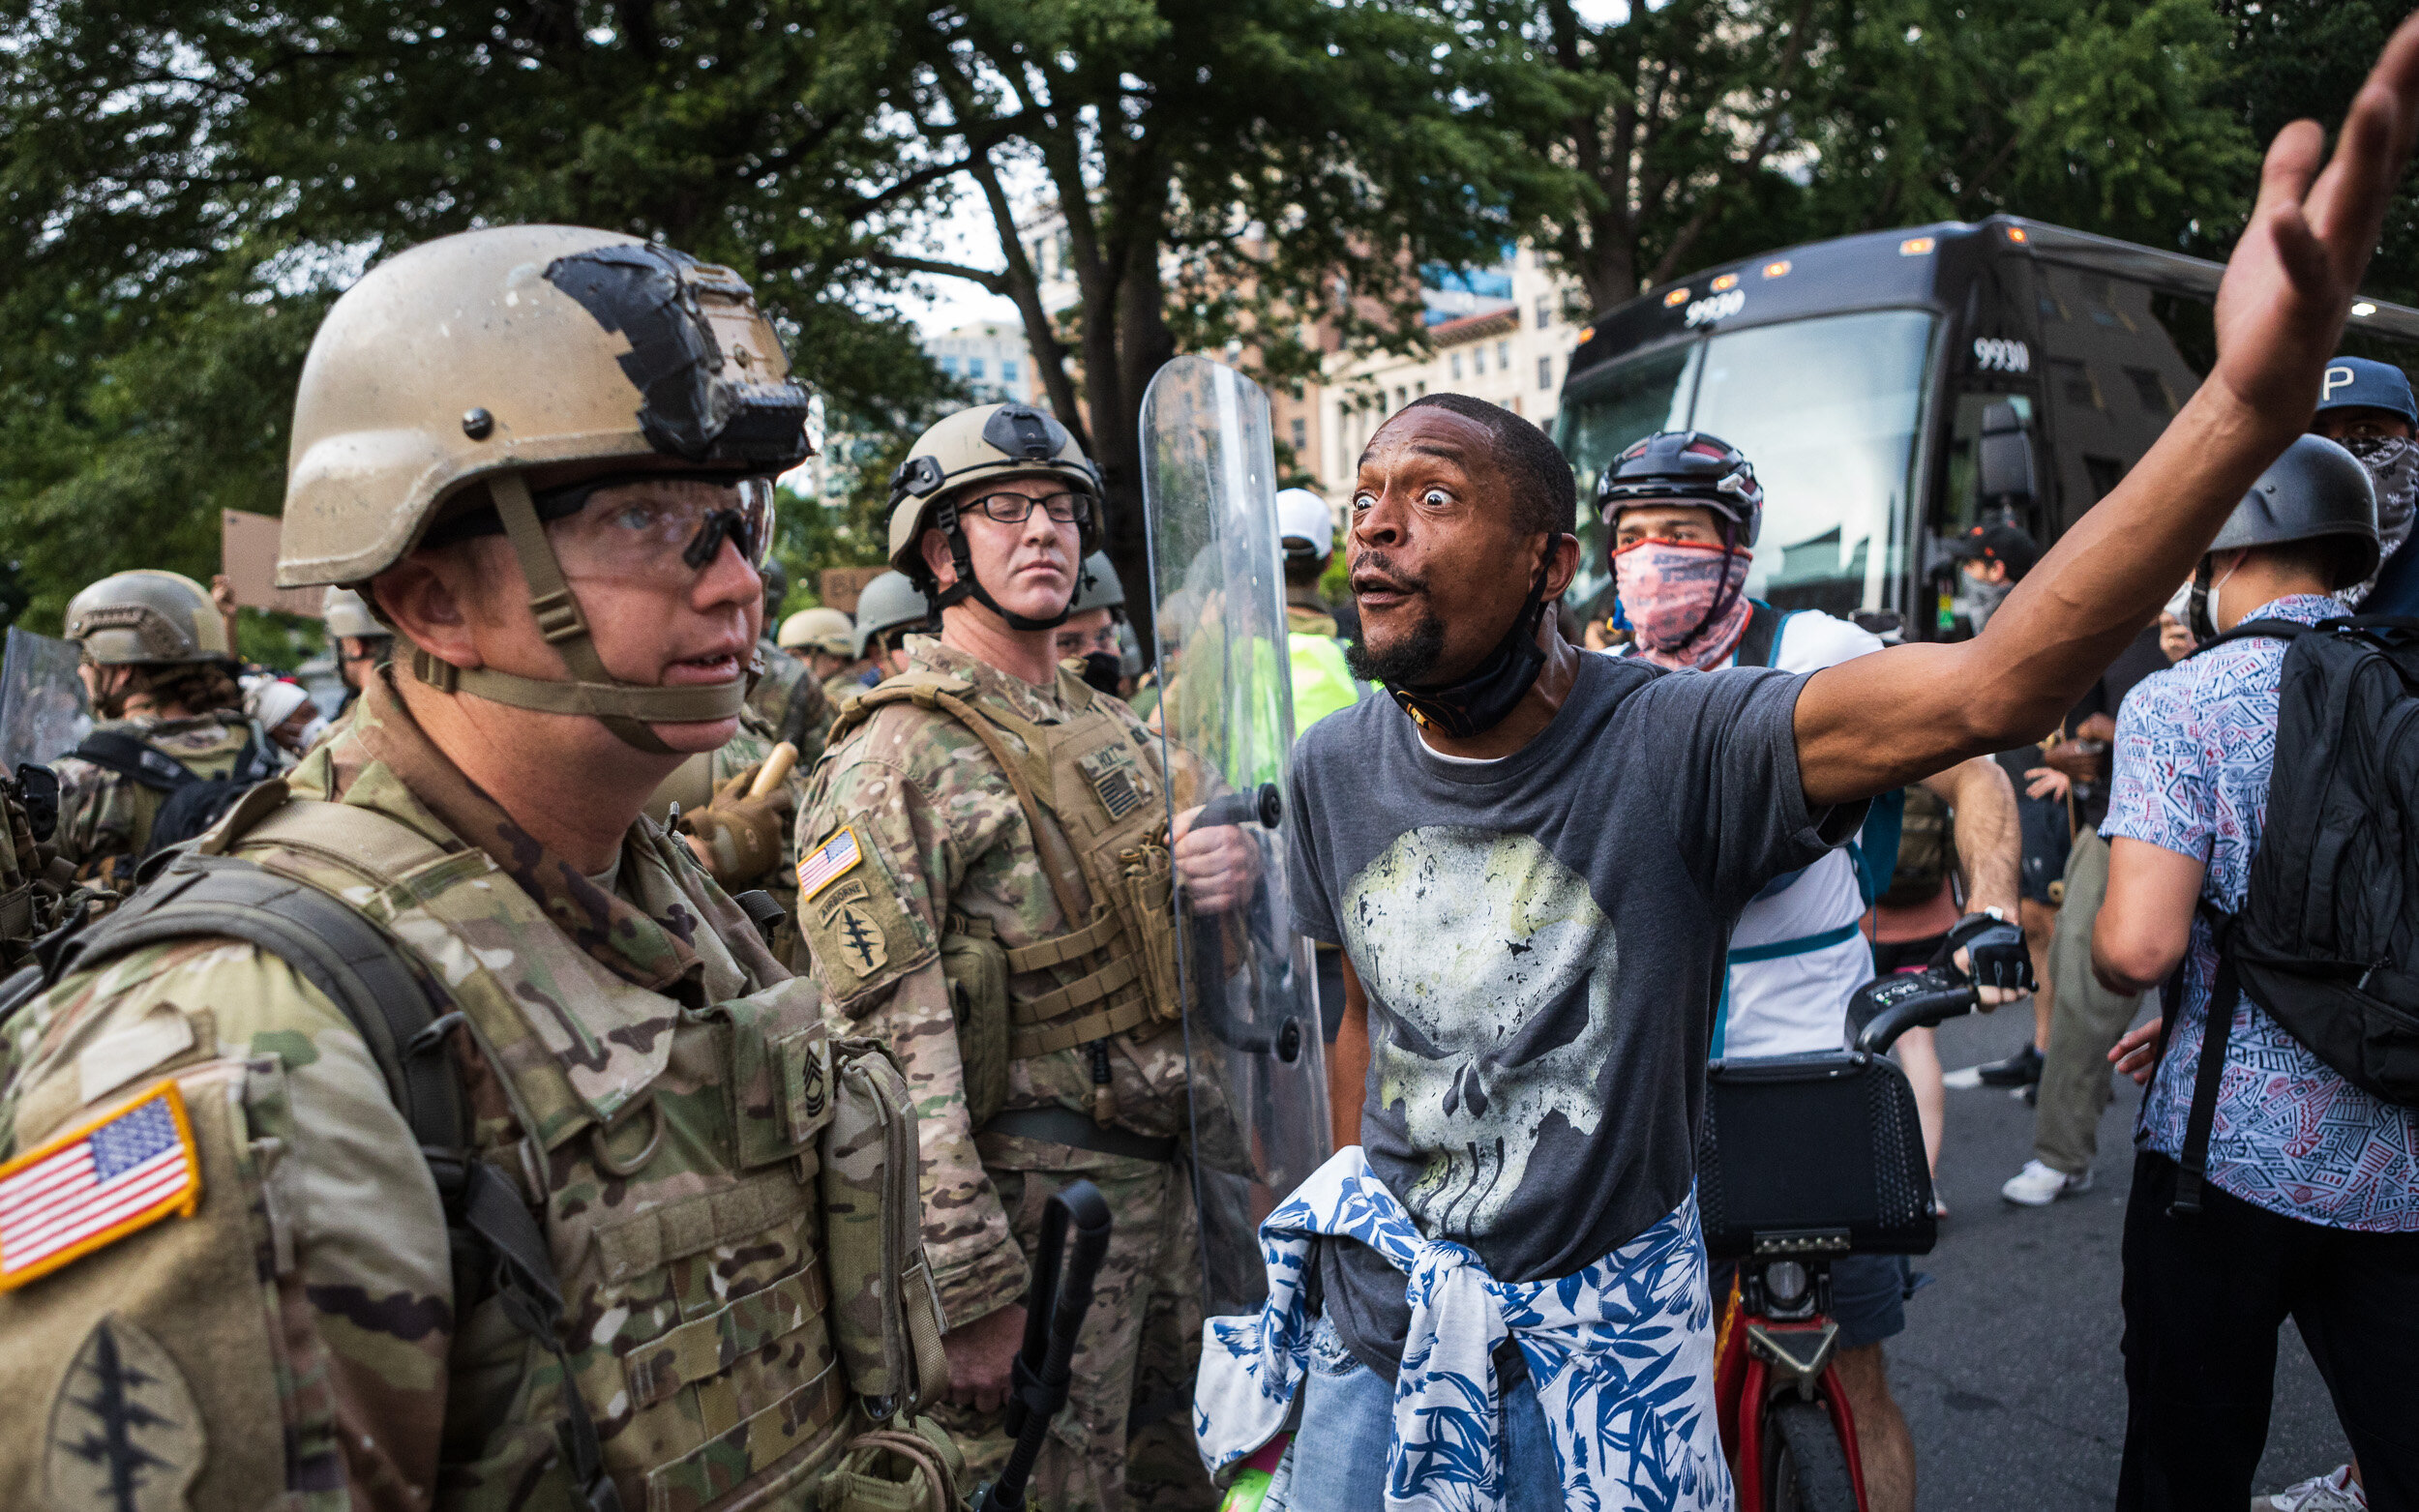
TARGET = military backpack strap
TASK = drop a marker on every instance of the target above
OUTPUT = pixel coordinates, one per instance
(135, 759)
(404, 1017)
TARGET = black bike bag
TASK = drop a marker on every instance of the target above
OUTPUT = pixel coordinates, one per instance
(1815, 1155)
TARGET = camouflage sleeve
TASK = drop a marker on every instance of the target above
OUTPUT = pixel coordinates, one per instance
(309, 1166)
(877, 868)
(101, 816)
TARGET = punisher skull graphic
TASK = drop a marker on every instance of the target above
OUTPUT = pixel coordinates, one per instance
(1470, 939)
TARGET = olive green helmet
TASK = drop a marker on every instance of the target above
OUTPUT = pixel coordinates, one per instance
(1100, 589)
(888, 602)
(474, 358)
(147, 618)
(989, 444)
(827, 631)
(347, 614)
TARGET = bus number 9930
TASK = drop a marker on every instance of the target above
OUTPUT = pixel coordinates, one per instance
(1994, 354)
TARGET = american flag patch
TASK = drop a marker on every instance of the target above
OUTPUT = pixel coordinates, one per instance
(96, 1184)
(833, 860)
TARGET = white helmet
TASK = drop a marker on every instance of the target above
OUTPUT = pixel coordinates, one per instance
(1304, 515)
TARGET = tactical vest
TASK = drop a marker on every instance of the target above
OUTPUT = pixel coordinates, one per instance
(1099, 821)
(731, 1188)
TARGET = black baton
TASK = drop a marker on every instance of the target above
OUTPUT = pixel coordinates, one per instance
(1054, 1315)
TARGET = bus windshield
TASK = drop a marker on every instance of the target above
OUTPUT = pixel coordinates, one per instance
(1828, 409)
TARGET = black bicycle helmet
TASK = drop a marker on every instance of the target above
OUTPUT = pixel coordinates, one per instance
(2316, 489)
(1686, 467)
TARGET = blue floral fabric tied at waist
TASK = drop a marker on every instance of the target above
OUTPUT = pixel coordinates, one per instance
(1621, 1355)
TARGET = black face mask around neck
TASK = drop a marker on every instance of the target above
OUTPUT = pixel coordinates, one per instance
(1486, 697)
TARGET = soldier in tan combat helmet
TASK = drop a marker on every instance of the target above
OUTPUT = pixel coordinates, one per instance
(437, 1134)
(985, 886)
(161, 678)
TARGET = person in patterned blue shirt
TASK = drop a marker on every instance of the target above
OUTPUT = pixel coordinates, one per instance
(2311, 1200)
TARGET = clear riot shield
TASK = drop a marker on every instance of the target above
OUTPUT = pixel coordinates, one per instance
(1226, 716)
(42, 709)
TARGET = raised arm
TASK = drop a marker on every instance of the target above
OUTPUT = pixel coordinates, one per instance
(1882, 720)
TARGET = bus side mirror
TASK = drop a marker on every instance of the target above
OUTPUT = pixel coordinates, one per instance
(2003, 458)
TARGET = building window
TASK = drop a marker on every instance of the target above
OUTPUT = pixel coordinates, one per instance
(1478, 359)
(1457, 366)
(1421, 387)
(1545, 373)
(1301, 433)
(1402, 396)
(950, 365)
(1007, 370)
(1545, 310)
(973, 367)
(1502, 357)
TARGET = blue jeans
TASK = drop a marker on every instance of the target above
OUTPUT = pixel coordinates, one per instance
(1338, 1457)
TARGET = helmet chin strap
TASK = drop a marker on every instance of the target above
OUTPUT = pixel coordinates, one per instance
(627, 709)
(968, 586)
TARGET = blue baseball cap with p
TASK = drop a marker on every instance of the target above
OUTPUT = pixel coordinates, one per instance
(2358, 383)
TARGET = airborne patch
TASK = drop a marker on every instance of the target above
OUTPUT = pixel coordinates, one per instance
(123, 1433)
(1115, 779)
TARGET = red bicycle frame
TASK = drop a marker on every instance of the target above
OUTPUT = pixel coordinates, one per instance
(1748, 1352)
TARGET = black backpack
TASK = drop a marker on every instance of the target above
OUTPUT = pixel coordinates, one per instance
(2327, 939)
(193, 803)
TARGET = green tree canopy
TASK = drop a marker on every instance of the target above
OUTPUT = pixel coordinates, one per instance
(188, 183)
(1249, 170)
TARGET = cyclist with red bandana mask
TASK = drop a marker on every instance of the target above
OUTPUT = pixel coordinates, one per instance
(1685, 511)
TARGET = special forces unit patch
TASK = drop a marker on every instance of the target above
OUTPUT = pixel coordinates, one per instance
(853, 927)
(95, 1184)
(123, 1433)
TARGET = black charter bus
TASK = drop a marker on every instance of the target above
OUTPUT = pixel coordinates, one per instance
(1893, 388)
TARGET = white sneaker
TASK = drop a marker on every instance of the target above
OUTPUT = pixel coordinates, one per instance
(2038, 1186)
(2335, 1492)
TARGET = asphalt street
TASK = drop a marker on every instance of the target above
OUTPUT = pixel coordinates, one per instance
(2009, 1371)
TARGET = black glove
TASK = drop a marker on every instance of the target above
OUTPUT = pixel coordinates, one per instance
(1995, 949)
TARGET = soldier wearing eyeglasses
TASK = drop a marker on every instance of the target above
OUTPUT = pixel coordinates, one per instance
(986, 868)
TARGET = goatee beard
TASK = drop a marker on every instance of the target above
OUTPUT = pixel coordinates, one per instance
(1406, 663)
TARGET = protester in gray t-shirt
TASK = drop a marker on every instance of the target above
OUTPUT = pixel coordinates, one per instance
(1538, 939)
(1540, 943)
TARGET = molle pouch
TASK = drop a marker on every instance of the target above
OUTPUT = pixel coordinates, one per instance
(1146, 876)
(885, 1313)
(780, 1075)
(914, 1468)
(976, 969)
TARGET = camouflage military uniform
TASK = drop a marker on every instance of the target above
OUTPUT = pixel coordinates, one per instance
(841, 686)
(105, 817)
(793, 706)
(944, 835)
(618, 1040)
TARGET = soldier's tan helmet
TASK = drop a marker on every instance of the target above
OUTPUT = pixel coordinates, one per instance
(888, 602)
(345, 612)
(828, 630)
(476, 358)
(1100, 588)
(515, 347)
(147, 617)
(991, 443)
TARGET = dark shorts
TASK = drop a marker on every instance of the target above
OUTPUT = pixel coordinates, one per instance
(2049, 829)
(1868, 1295)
